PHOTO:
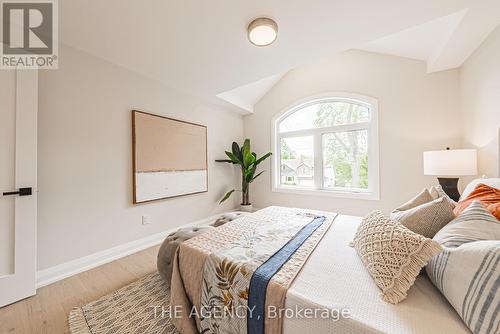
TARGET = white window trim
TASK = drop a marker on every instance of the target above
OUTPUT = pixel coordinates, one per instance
(373, 192)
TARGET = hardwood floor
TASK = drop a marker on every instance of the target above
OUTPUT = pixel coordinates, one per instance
(47, 312)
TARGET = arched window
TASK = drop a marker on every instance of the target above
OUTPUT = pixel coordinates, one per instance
(328, 145)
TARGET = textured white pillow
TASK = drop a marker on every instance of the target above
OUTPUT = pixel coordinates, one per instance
(423, 197)
(438, 192)
(426, 219)
(392, 254)
(492, 182)
(467, 272)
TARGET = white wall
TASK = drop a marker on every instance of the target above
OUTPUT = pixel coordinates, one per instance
(480, 93)
(85, 181)
(85, 157)
(417, 112)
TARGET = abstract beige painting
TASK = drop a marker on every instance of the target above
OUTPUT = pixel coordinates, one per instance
(170, 157)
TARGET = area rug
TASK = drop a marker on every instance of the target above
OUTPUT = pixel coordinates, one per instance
(140, 307)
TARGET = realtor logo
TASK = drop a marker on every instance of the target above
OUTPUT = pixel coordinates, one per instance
(29, 34)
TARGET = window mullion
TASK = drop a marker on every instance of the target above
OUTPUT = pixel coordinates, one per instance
(336, 128)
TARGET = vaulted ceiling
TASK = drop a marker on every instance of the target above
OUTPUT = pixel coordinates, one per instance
(446, 42)
(200, 46)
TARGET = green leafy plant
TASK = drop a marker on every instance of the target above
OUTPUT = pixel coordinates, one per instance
(248, 162)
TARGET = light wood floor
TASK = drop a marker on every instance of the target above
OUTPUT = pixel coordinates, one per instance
(47, 312)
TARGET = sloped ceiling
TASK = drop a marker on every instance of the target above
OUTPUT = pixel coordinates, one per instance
(446, 42)
(200, 46)
(245, 97)
(420, 42)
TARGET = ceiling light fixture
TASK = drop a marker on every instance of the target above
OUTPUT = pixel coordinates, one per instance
(262, 31)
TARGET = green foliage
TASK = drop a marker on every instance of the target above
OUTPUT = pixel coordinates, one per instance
(234, 159)
(337, 113)
(363, 171)
(264, 157)
(226, 196)
(345, 151)
(343, 172)
(248, 162)
(286, 152)
(236, 151)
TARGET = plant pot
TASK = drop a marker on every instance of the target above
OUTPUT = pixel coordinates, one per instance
(246, 208)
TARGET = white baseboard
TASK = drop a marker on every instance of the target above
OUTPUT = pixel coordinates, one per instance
(73, 267)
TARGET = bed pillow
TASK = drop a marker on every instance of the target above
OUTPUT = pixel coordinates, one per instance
(492, 182)
(438, 192)
(392, 254)
(487, 195)
(426, 219)
(467, 272)
(423, 197)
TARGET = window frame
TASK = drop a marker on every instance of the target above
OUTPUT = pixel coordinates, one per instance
(373, 191)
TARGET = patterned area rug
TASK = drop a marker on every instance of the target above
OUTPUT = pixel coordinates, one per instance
(140, 307)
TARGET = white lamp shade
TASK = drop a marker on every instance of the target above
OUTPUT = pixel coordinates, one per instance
(450, 162)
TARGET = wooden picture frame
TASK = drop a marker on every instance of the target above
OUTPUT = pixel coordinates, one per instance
(169, 157)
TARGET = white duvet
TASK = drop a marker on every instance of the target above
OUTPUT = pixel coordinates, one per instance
(334, 278)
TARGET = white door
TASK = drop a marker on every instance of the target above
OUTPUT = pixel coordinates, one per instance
(18, 169)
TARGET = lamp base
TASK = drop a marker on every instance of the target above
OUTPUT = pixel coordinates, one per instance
(450, 187)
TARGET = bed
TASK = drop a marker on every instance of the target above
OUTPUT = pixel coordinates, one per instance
(331, 277)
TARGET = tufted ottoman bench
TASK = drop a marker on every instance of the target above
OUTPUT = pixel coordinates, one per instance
(165, 259)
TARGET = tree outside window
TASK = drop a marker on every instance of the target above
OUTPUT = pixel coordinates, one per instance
(328, 144)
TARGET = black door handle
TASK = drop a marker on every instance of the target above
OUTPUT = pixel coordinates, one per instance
(20, 192)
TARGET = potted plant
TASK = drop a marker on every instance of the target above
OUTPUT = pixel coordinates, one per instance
(248, 162)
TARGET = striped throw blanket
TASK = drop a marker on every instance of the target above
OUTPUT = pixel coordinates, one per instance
(244, 270)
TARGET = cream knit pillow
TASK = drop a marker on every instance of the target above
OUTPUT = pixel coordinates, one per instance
(426, 219)
(392, 254)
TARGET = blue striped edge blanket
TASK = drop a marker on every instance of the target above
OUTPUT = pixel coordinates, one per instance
(245, 280)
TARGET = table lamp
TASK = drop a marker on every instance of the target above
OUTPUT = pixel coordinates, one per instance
(446, 163)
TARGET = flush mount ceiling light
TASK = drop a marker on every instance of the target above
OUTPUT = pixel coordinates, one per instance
(262, 31)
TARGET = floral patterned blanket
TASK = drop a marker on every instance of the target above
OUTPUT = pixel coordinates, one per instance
(216, 273)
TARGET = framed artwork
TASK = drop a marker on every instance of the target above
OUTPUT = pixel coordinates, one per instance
(169, 157)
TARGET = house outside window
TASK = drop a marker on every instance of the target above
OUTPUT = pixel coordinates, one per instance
(328, 145)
